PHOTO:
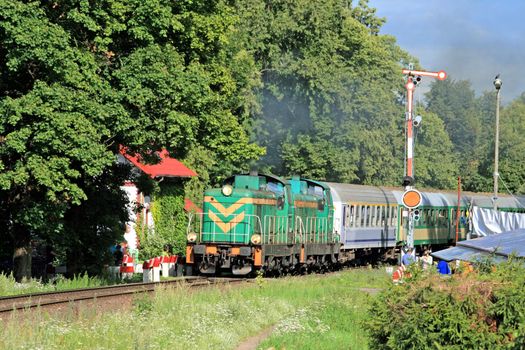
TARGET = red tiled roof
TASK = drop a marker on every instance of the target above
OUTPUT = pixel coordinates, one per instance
(167, 167)
(190, 206)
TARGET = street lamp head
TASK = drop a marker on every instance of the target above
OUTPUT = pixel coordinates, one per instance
(497, 82)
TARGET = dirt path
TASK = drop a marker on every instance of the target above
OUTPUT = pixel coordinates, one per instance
(252, 342)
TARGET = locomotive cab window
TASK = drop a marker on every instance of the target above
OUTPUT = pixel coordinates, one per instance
(320, 204)
(274, 187)
(280, 202)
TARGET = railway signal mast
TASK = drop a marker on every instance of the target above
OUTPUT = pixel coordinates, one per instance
(412, 197)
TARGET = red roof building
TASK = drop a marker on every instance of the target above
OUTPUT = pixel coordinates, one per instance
(167, 167)
(189, 206)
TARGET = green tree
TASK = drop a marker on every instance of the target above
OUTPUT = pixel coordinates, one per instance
(455, 103)
(330, 103)
(512, 144)
(435, 160)
(79, 78)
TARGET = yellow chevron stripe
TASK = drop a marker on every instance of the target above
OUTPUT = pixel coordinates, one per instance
(228, 226)
(260, 201)
(226, 211)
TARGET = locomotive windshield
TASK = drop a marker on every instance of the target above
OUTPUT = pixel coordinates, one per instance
(274, 187)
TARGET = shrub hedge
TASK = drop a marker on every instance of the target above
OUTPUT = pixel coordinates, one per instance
(484, 309)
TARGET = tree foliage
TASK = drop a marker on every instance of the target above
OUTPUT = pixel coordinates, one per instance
(436, 164)
(170, 222)
(329, 81)
(512, 144)
(80, 78)
(470, 123)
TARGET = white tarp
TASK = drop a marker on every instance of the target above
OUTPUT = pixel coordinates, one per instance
(487, 221)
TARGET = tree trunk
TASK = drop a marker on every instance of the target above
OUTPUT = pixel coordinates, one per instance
(22, 263)
(22, 253)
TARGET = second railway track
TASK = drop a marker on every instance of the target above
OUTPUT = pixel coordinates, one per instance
(10, 304)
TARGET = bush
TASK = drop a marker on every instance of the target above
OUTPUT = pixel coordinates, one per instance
(480, 310)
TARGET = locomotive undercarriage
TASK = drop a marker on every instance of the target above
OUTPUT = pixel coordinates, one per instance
(275, 259)
(370, 256)
(222, 258)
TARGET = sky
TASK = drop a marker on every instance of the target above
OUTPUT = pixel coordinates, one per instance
(469, 39)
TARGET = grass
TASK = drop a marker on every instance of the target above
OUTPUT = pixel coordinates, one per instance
(321, 312)
(8, 285)
(329, 316)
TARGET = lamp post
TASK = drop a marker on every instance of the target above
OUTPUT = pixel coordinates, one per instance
(497, 84)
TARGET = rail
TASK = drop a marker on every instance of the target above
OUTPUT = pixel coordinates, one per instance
(55, 299)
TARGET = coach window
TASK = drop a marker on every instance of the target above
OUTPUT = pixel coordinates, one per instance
(463, 218)
(352, 216)
(394, 216)
(357, 215)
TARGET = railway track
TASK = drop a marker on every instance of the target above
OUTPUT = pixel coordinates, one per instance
(66, 298)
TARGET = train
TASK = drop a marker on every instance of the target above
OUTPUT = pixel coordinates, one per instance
(264, 223)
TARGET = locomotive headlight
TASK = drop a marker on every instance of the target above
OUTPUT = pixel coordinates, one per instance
(256, 239)
(192, 237)
(227, 190)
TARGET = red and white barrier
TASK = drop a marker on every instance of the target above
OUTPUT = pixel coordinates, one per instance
(398, 274)
(151, 270)
(127, 268)
(165, 266)
(169, 267)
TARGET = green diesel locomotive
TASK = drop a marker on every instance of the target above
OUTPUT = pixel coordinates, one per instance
(259, 222)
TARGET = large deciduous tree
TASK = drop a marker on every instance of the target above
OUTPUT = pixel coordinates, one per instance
(79, 78)
(435, 159)
(331, 85)
(455, 103)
